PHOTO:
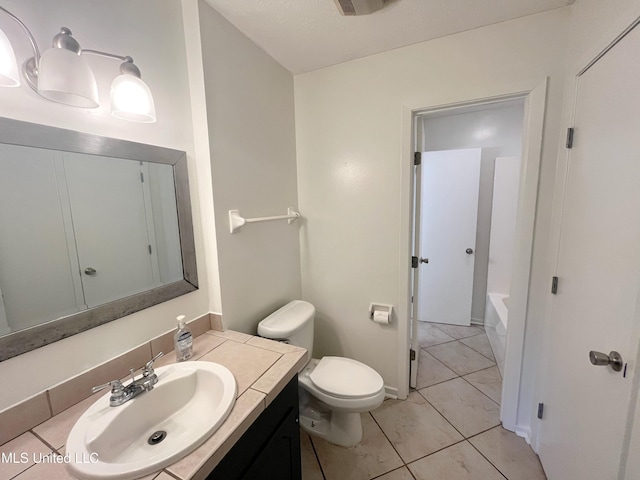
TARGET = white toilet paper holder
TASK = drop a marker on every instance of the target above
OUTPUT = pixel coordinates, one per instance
(382, 308)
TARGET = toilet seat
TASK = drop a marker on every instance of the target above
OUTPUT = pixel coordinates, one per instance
(360, 402)
(346, 378)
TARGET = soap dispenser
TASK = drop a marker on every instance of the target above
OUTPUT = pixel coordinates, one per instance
(183, 341)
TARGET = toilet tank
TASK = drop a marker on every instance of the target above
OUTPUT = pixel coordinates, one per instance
(293, 322)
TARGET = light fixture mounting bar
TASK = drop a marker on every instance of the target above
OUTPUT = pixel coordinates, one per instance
(107, 55)
(32, 40)
(127, 66)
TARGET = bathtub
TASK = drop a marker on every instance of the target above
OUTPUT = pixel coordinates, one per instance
(497, 312)
(495, 321)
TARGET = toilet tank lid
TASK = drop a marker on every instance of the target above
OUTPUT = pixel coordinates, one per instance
(287, 320)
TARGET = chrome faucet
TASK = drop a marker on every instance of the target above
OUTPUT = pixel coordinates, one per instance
(121, 394)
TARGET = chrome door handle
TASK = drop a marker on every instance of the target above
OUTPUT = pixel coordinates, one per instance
(90, 271)
(469, 251)
(614, 360)
(424, 260)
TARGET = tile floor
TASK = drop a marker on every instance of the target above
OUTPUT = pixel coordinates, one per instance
(448, 428)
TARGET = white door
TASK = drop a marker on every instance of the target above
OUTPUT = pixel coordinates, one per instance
(449, 213)
(586, 407)
(110, 224)
(414, 345)
(36, 277)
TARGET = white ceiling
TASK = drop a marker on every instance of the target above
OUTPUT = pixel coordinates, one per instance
(304, 35)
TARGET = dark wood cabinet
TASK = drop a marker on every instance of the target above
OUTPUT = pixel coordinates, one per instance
(270, 449)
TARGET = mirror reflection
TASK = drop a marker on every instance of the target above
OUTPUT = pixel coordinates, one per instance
(91, 229)
(79, 231)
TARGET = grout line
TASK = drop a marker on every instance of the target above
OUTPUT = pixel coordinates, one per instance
(439, 383)
(484, 431)
(478, 351)
(452, 325)
(462, 377)
(444, 417)
(442, 343)
(388, 440)
(479, 389)
(437, 451)
(406, 464)
(53, 449)
(48, 397)
(166, 472)
(313, 447)
(484, 456)
(394, 470)
(16, 477)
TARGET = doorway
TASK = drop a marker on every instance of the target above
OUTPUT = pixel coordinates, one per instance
(532, 96)
(466, 151)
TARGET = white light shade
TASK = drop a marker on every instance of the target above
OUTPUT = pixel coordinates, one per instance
(65, 77)
(131, 99)
(9, 76)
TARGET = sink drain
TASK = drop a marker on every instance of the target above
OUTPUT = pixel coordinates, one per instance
(157, 437)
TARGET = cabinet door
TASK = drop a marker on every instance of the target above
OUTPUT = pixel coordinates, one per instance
(270, 448)
(281, 457)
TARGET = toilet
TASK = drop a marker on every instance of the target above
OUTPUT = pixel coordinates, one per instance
(333, 390)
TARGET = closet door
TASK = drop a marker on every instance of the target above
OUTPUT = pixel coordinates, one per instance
(110, 224)
(587, 407)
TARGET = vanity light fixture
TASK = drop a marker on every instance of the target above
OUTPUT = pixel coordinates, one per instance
(61, 74)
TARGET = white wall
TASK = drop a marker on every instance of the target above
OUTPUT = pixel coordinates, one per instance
(504, 212)
(497, 129)
(349, 144)
(151, 31)
(249, 100)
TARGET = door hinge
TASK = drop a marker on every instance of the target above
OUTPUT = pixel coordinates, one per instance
(570, 137)
(417, 158)
(540, 410)
(554, 285)
(142, 177)
(414, 262)
(149, 249)
(412, 354)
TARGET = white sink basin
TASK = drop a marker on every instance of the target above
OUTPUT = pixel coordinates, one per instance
(189, 402)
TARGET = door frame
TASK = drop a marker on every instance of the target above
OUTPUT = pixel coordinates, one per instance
(534, 93)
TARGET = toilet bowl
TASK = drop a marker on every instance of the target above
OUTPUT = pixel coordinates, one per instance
(333, 390)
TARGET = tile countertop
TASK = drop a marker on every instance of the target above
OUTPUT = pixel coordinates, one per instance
(262, 368)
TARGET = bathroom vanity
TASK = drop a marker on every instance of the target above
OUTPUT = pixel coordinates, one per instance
(259, 438)
(271, 446)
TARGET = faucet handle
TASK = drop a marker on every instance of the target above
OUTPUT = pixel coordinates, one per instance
(116, 387)
(119, 394)
(148, 368)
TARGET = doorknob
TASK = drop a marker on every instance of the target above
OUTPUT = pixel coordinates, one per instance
(90, 271)
(614, 359)
(469, 251)
(424, 260)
